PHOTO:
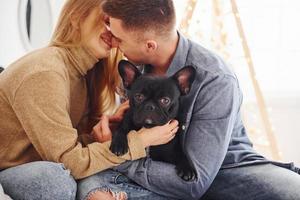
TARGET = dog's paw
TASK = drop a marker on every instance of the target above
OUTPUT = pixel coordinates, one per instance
(119, 148)
(187, 173)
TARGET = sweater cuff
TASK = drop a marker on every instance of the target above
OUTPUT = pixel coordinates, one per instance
(135, 145)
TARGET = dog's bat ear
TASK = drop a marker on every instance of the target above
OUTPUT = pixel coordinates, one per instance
(129, 72)
(184, 79)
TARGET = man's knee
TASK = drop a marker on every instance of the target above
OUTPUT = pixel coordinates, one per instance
(258, 182)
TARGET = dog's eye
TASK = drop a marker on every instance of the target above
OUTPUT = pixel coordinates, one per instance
(165, 101)
(139, 97)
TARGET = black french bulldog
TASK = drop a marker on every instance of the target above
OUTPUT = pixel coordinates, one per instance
(1, 69)
(154, 101)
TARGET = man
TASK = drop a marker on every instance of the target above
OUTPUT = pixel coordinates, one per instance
(213, 135)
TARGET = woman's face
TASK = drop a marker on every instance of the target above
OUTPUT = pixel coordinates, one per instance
(95, 36)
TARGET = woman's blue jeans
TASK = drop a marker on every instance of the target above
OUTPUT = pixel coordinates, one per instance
(39, 180)
(44, 180)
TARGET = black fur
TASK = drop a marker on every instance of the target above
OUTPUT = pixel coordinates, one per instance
(154, 100)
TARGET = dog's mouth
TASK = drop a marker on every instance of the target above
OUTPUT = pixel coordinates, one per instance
(148, 123)
(149, 120)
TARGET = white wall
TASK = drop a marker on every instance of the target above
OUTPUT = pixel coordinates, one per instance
(11, 45)
(10, 40)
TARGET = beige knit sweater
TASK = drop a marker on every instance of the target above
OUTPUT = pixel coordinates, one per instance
(43, 98)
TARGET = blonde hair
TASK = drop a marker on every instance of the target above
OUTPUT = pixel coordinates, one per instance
(103, 79)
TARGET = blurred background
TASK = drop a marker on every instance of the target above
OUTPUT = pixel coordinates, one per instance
(259, 39)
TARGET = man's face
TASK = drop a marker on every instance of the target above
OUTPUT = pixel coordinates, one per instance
(127, 42)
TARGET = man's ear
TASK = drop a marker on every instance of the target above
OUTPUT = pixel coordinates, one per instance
(151, 45)
(184, 79)
(128, 72)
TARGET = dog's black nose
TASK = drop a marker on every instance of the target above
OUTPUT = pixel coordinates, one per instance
(150, 107)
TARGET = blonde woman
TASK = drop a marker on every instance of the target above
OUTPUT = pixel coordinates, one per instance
(51, 101)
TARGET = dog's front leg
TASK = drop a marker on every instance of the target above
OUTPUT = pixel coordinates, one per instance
(184, 168)
(119, 143)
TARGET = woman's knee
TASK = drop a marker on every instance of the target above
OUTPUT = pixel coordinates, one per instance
(39, 180)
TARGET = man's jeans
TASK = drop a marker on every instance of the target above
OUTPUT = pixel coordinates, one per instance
(256, 182)
(39, 180)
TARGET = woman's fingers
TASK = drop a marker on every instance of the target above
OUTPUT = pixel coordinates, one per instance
(97, 132)
(106, 132)
(97, 128)
(160, 134)
(172, 124)
(119, 114)
(123, 107)
(101, 131)
(174, 131)
(170, 127)
(171, 135)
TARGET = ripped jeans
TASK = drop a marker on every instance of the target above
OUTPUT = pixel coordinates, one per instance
(110, 180)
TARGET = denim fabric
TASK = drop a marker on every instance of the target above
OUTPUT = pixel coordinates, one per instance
(3, 196)
(39, 180)
(212, 132)
(116, 182)
(255, 182)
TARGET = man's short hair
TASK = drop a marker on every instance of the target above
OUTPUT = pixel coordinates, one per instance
(143, 15)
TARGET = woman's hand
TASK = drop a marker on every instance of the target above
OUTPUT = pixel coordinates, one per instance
(117, 117)
(102, 131)
(159, 134)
